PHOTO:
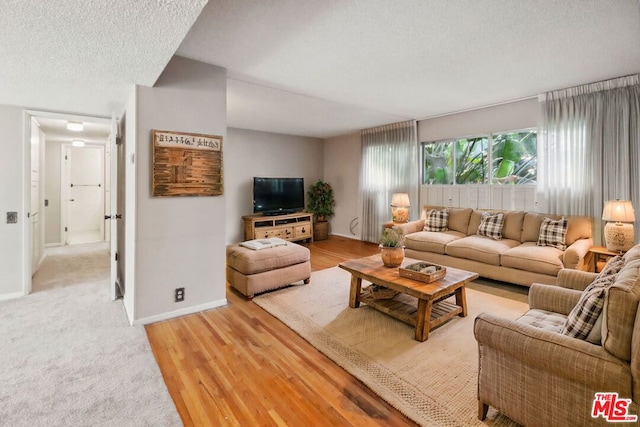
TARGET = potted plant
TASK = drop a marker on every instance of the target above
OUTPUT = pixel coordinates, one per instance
(392, 247)
(321, 202)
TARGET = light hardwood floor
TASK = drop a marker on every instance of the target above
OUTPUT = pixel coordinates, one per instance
(239, 366)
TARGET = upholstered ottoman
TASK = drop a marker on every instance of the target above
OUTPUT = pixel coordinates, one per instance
(251, 272)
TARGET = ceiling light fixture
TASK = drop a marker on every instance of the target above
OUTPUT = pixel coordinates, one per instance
(78, 143)
(75, 126)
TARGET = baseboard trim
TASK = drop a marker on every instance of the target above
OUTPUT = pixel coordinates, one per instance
(181, 312)
(347, 236)
(52, 245)
(11, 296)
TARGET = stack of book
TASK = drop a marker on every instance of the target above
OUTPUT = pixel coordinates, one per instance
(258, 244)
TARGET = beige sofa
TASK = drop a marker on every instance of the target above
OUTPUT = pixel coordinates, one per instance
(516, 258)
(538, 376)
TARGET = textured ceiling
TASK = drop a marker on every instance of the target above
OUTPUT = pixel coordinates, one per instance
(377, 61)
(82, 56)
(311, 67)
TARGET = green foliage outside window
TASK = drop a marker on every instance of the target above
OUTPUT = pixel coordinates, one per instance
(512, 159)
(471, 161)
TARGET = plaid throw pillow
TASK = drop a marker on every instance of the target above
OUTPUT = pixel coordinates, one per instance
(552, 233)
(436, 220)
(585, 314)
(491, 225)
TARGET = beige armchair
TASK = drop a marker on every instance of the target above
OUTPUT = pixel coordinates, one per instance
(539, 377)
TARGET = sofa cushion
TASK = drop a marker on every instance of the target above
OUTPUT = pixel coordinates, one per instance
(531, 225)
(474, 222)
(431, 241)
(491, 225)
(459, 219)
(578, 227)
(619, 312)
(436, 220)
(512, 228)
(543, 319)
(530, 257)
(479, 248)
(553, 233)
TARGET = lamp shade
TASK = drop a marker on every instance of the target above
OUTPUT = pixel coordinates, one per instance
(400, 207)
(400, 200)
(618, 211)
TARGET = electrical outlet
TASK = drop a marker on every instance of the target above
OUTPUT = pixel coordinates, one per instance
(12, 217)
(179, 294)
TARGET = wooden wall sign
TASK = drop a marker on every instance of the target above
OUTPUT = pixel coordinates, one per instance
(186, 164)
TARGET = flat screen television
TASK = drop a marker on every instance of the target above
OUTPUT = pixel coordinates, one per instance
(278, 196)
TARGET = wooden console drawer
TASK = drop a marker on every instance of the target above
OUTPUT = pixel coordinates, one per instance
(302, 231)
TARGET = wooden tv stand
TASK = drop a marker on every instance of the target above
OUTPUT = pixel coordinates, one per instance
(292, 227)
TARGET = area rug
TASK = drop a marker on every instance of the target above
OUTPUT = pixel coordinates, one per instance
(433, 382)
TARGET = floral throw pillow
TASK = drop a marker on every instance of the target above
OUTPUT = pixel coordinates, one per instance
(491, 225)
(553, 233)
(437, 220)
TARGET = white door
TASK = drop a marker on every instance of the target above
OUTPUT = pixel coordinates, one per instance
(85, 200)
(113, 215)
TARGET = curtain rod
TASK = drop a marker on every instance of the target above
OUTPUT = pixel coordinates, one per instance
(478, 108)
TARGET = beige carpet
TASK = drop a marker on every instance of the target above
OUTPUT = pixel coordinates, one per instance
(68, 356)
(434, 382)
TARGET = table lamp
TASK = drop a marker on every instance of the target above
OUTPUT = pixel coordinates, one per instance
(618, 233)
(400, 207)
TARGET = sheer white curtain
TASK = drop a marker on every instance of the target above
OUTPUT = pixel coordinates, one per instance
(389, 165)
(589, 148)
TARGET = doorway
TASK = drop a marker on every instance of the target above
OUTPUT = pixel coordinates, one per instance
(75, 184)
(83, 195)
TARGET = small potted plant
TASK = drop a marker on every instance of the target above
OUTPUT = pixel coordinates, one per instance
(392, 247)
(320, 203)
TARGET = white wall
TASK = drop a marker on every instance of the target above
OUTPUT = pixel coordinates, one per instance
(342, 171)
(52, 193)
(12, 176)
(506, 117)
(250, 153)
(180, 241)
(129, 213)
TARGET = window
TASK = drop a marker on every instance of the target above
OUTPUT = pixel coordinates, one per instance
(511, 158)
(514, 157)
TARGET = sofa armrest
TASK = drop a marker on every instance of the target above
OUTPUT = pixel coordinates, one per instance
(553, 298)
(411, 227)
(560, 355)
(575, 256)
(574, 279)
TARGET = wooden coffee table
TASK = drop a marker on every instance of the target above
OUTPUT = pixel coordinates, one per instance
(431, 311)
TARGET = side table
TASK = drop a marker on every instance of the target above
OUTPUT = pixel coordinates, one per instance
(600, 256)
